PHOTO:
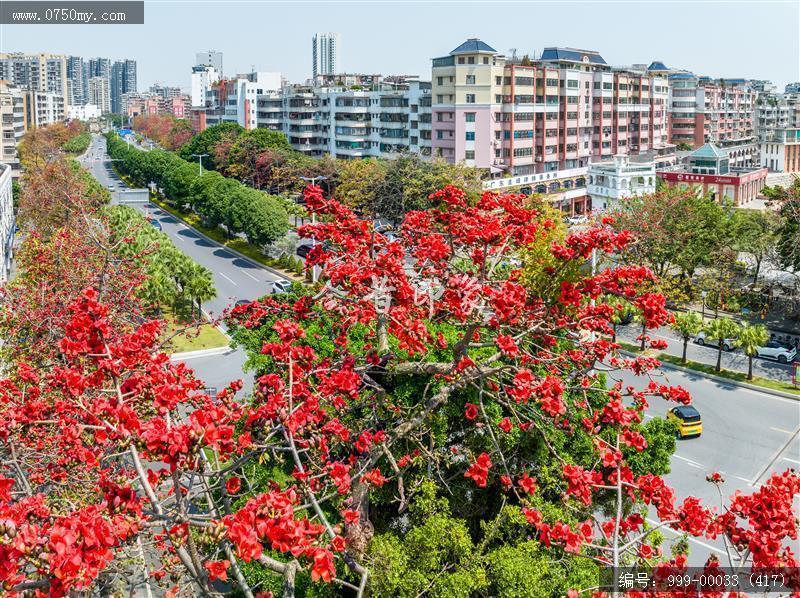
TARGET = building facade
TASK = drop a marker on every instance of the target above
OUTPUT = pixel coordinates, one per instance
(7, 225)
(43, 108)
(203, 77)
(212, 58)
(709, 170)
(99, 94)
(76, 93)
(40, 72)
(325, 54)
(518, 117)
(123, 80)
(612, 181)
(12, 124)
(84, 112)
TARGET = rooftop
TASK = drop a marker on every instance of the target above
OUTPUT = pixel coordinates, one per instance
(573, 55)
(472, 45)
(709, 150)
(657, 65)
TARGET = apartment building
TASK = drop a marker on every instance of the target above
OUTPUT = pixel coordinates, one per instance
(76, 92)
(203, 77)
(12, 124)
(212, 58)
(522, 117)
(325, 54)
(777, 127)
(40, 72)
(382, 120)
(123, 80)
(7, 225)
(99, 93)
(43, 108)
(719, 111)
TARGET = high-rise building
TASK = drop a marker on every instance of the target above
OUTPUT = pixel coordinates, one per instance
(43, 108)
(211, 58)
(12, 123)
(7, 226)
(203, 77)
(123, 80)
(42, 72)
(75, 88)
(99, 93)
(325, 54)
(99, 67)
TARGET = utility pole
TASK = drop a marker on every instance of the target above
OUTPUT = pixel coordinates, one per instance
(200, 156)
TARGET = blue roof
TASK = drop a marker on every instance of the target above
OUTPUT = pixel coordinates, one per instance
(681, 76)
(473, 45)
(657, 65)
(572, 54)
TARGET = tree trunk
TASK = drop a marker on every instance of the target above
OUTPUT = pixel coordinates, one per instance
(685, 346)
(719, 356)
(749, 367)
(644, 332)
(614, 335)
(757, 271)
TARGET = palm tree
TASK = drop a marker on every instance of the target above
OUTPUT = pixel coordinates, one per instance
(751, 337)
(721, 329)
(687, 326)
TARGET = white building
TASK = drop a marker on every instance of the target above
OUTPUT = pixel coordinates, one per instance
(325, 54)
(203, 77)
(99, 93)
(6, 222)
(43, 108)
(12, 124)
(613, 180)
(84, 113)
(212, 58)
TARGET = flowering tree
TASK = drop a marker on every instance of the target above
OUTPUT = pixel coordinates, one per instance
(415, 362)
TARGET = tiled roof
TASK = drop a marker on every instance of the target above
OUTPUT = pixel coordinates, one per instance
(709, 150)
(571, 54)
(657, 65)
(472, 45)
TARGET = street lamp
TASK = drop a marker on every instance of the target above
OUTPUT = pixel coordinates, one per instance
(313, 181)
(200, 156)
(703, 294)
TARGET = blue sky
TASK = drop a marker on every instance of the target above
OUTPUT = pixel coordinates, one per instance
(758, 39)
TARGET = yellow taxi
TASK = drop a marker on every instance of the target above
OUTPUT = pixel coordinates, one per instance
(688, 419)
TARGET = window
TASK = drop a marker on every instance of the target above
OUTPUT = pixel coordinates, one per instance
(439, 116)
(439, 98)
(439, 134)
(440, 80)
(471, 60)
(469, 155)
(572, 83)
(498, 80)
(469, 117)
(485, 60)
(552, 82)
(523, 151)
(470, 79)
(460, 60)
(470, 98)
(470, 135)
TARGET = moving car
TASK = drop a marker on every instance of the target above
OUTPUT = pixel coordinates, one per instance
(776, 350)
(304, 250)
(156, 224)
(728, 344)
(688, 419)
(111, 187)
(281, 286)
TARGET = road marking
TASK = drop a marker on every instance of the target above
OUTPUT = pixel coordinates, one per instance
(740, 478)
(228, 279)
(782, 430)
(791, 460)
(689, 461)
(250, 275)
(775, 457)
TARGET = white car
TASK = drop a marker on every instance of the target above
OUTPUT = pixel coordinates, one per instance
(728, 344)
(577, 219)
(281, 286)
(775, 350)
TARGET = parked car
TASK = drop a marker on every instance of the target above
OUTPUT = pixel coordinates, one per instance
(776, 350)
(111, 187)
(577, 219)
(728, 344)
(156, 224)
(304, 250)
(688, 419)
(281, 286)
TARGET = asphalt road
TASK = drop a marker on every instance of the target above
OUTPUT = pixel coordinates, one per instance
(747, 435)
(734, 360)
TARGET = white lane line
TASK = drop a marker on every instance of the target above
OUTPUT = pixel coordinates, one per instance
(782, 430)
(228, 279)
(250, 275)
(689, 461)
(791, 460)
(672, 531)
(740, 478)
(777, 455)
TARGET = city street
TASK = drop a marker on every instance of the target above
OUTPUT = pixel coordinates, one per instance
(734, 360)
(744, 448)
